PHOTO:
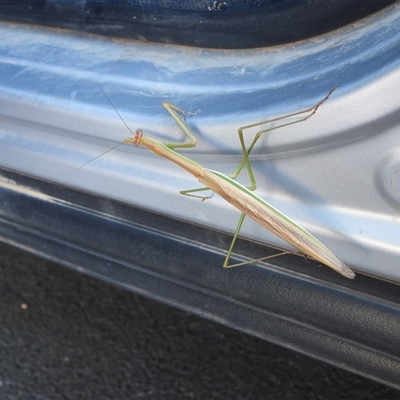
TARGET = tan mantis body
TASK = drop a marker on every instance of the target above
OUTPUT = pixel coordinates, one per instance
(238, 195)
(241, 197)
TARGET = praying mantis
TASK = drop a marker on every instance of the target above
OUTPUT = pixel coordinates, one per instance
(241, 197)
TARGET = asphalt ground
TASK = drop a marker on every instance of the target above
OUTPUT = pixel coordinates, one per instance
(64, 335)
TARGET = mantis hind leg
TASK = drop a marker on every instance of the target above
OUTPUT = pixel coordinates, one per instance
(235, 236)
(291, 119)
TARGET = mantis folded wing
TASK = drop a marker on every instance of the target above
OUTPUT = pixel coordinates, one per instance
(238, 195)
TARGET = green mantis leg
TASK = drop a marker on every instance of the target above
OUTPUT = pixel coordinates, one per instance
(246, 151)
(190, 191)
(235, 236)
(174, 112)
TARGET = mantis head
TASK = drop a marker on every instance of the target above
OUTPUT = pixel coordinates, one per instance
(136, 139)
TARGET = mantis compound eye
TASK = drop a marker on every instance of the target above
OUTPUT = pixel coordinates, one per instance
(138, 137)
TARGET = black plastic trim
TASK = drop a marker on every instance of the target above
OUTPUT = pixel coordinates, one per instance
(292, 302)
